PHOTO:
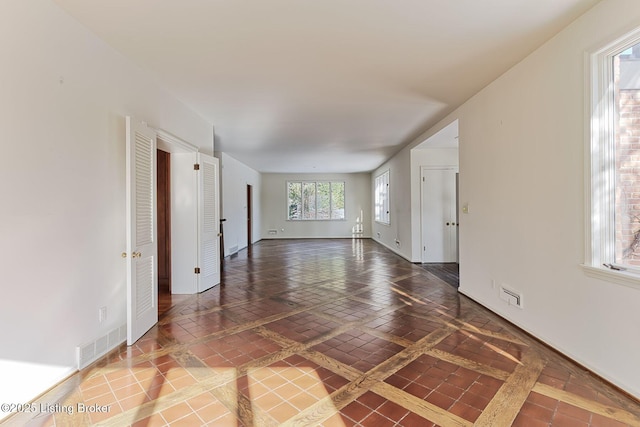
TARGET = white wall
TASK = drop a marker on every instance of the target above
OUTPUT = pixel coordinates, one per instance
(274, 207)
(235, 176)
(62, 183)
(397, 235)
(403, 233)
(522, 172)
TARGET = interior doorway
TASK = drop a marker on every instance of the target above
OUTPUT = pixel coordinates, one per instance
(438, 158)
(249, 215)
(164, 230)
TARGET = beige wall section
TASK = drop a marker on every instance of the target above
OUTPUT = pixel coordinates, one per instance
(522, 173)
(64, 98)
(397, 235)
(235, 176)
(274, 207)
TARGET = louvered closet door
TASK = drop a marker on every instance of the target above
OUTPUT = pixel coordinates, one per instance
(208, 223)
(142, 280)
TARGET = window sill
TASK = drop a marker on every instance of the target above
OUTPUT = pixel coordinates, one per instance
(624, 278)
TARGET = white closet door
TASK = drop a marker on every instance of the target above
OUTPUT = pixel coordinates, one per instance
(439, 219)
(142, 279)
(208, 223)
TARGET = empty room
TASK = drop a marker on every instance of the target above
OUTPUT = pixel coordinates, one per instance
(329, 213)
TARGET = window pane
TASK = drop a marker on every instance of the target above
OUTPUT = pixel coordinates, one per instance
(295, 200)
(337, 200)
(309, 200)
(626, 78)
(381, 198)
(324, 200)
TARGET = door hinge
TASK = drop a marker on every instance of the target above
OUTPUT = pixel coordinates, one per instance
(196, 270)
(196, 167)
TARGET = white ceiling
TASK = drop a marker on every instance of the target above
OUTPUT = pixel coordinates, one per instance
(323, 86)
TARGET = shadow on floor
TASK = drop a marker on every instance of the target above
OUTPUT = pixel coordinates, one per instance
(448, 272)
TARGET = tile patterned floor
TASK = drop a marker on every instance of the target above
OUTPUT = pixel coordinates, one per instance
(333, 333)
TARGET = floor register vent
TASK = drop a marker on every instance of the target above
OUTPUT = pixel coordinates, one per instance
(511, 296)
(92, 351)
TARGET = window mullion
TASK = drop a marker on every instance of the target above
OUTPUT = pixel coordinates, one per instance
(330, 201)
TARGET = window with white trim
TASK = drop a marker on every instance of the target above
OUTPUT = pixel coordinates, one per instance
(310, 200)
(381, 196)
(615, 156)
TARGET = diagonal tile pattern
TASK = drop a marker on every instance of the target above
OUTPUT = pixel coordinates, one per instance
(332, 333)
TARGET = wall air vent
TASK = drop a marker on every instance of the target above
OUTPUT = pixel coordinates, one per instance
(511, 296)
(90, 352)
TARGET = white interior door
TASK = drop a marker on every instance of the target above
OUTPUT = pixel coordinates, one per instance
(142, 278)
(439, 217)
(208, 223)
(184, 223)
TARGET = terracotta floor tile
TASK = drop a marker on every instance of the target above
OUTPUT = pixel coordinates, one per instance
(97, 391)
(600, 421)
(561, 420)
(213, 412)
(413, 419)
(377, 420)
(111, 411)
(133, 401)
(283, 412)
(288, 391)
(92, 381)
(439, 399)
(188, 421)
(296, 321)
(337, 420)
(176, 412)
(268, 401)
(228, 420)
(537, 412)
(155, 420)
(303, 400)
(124, 392)
(392, 411)
(465, 411)
(523, 420)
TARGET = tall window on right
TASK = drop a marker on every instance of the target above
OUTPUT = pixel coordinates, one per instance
(381, 209)
(615, 156)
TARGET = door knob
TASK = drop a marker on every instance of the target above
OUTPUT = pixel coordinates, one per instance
(136, 255)
(447, 223)
(123, 255)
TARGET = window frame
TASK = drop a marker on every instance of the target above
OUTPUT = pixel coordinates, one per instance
(600, 167)
(331, 199)
(381, 214)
